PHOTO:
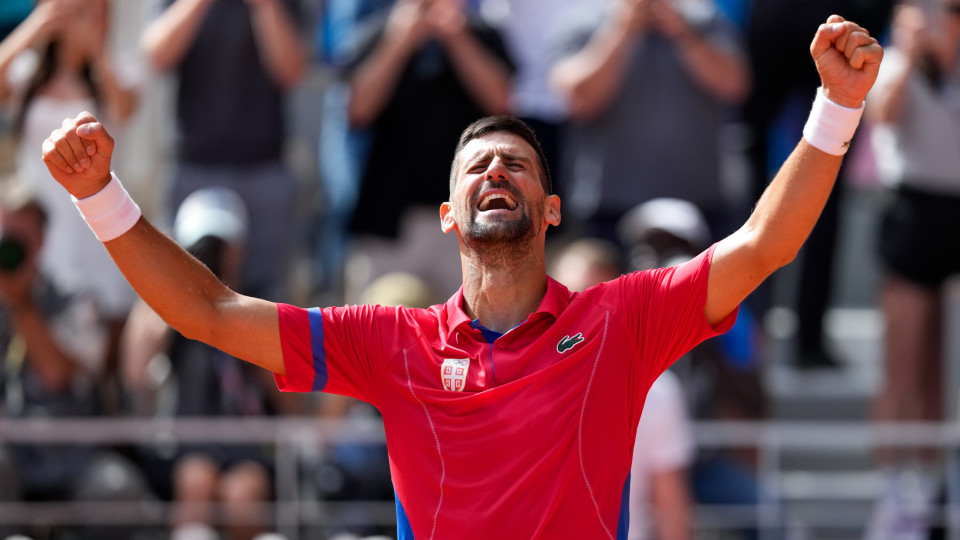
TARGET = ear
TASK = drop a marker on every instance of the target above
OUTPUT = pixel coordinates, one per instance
(551, 214)
(447, 223)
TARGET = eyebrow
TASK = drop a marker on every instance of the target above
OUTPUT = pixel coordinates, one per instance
(488, 154)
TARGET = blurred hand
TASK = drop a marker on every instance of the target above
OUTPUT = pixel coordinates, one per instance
(89, 24)
(50, 17)
(445, 18)
(669, 21)
(910, 31)
(847, 59)
(635, 15)
(407, 22)
(78, 155)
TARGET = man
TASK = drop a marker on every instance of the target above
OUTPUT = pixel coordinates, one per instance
(650, 83)
(510, 411)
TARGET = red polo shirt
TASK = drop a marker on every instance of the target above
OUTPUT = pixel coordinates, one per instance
(527, 434)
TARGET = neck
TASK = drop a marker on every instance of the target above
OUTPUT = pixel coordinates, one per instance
(503, 296)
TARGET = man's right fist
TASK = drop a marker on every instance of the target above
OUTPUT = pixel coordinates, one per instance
(78, 155)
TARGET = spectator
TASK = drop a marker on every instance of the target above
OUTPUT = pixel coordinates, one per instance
(55, 353)
(660, 500)
(234, 62)
(49, 68)
(528, 27)
(917, 133)
(418, 72)
(648, 83)
(212, 224)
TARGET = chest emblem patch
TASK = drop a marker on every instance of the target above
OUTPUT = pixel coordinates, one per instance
(453, 373)
(569, 342)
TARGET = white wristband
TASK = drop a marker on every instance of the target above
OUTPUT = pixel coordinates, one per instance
(109, 212)
(830, 127)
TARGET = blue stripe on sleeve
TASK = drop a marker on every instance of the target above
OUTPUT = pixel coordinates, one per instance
(316, 344)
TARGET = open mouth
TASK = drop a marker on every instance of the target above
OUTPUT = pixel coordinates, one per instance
(497, 201)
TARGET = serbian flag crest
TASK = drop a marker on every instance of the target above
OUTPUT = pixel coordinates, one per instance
(453, 373)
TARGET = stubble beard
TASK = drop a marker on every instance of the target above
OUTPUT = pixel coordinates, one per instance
(501, 244)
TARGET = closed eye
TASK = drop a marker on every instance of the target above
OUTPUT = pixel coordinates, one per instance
(479, 167)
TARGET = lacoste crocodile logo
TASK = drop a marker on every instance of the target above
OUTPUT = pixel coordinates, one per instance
(568, 342)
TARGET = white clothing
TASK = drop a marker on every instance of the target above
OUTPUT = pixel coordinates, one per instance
(72, 256)
(921, 149)
(526, 27)
(664, 442)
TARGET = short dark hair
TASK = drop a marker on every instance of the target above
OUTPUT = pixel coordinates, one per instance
(510, 124)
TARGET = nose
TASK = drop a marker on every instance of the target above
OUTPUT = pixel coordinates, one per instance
(497, 170)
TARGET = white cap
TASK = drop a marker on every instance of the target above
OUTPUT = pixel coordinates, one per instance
(214, 211)
(674, 216)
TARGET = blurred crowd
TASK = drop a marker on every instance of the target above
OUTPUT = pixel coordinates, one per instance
(301, 148)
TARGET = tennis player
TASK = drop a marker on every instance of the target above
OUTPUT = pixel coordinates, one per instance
(510, 410)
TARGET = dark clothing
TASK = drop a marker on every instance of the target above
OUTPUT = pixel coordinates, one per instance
(228, 109)
(49, 471)
(918, 237)
(210, 382)
(417, 132)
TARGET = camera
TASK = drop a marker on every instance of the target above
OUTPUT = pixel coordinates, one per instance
(13, 252)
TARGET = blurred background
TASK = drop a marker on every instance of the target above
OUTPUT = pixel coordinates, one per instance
(300, 149)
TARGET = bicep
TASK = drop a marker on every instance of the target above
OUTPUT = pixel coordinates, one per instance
(735, 272)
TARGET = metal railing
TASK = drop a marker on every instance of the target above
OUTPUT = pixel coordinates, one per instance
(289, 436)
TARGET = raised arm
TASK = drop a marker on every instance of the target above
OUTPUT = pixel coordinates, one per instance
(484, 76)
(45, 19)
(720, 71)
(177, 286)
(167, 39)
(592, 77)
(847, 59)
(278, 42)
(373, 81)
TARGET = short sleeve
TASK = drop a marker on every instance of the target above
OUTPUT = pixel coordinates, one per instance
(665, 309)
(334, 350)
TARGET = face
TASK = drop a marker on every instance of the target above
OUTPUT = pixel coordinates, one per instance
(498, 196)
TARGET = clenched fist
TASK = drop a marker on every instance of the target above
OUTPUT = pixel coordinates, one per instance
(848, 60)
(78, 155)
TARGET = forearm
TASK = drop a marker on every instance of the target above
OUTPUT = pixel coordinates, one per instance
(167, 39)
(672, 504)
(192, 300)
(791, 205)
(887, 102)
(278, 43)
(485, 77)
(144, 336)
(119, 102)
(23, 37)
(722, 74)
(43, 352)
(775, 231)
(592, 77)
(374, 80)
